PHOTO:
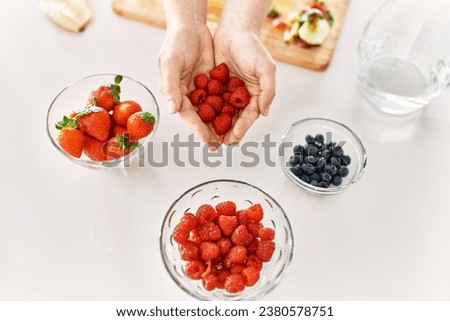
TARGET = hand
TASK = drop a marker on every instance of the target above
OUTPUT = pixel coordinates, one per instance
(247, 58)
(187, 51)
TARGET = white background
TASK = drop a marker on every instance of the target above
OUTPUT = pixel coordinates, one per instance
(70, 233)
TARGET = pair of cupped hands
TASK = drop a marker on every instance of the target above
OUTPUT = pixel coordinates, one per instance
(190, 50)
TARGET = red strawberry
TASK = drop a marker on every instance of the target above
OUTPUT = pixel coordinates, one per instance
(233, 83)
(71, 141)
(95, 121)
(118, 147)
(216, 102)
(117, 130)
(240, 97)
(106, 96)
(197, 96)
(201, 81)
(215, 87)
(222, 124)
(220, 73)
(229, 109)
(140, 125)
(124, 110)
(206, 113)
(93, 148)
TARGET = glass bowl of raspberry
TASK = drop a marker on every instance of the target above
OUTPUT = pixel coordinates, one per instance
(226, 240)
(322, 156)
(102, 121)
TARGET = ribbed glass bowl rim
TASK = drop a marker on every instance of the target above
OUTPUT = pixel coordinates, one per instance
(104, 164)
(231, 181)
(314, 189)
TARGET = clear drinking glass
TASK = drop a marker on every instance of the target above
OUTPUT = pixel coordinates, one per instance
(404, 55)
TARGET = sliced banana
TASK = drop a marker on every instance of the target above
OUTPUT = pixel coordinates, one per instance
(71, 15)
(314, 34)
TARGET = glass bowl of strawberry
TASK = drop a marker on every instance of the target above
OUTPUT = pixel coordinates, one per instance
(103, 121)
(226, 240)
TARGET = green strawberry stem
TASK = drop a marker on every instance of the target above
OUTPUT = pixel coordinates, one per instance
(122, 141)
(147, 117)
(114, 91)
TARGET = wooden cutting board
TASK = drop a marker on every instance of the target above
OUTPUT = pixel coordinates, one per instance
(315, 58)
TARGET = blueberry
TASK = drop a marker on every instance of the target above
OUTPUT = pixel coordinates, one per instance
(336, 180)
(312, 151)
(346, 159)
(326, 154)
(297, 171)
(338, 150)
(323, 184)
(305, 178)
(314, 183)
(319, 138)
(336, 161)
(331, 169)
(311, 159)
(326, 177)
(315, 177)
(321, 162)
(308, 169)
(309, 139)
(343, 171)
(298, 149)
(294, 160)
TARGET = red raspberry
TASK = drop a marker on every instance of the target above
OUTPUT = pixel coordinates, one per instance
(237, 268)
(216, 103)
(240, 97)
(222, 124)
(206, 112)
(255, 212)
(254, 227)
(206, 213)
(237, 254)
(222, 275)
(194, 269)
(251, 276)
(225, 245)
(228, 109)
(210, 282)
(210, 232)
(242, 217)
(227, 224)
(215, 87)
(251, 248)
(233, 83)
(190, 220)
(220, 73)
(188, 251)
(241, 236)
(254, 262)
(226, 97)
(181, 233)
(266, 234)
(235, 283)
(195, 236)
(226, 208)
(201, 81)
(209, 251)
(265, 250)
(197, 96)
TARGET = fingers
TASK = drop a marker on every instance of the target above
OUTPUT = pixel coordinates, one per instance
(267, 85)
(244, 121)
(170, 69)
(200, 129)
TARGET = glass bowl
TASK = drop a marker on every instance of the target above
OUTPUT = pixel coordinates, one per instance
(332, 131)
(74, 97)
(243, 195)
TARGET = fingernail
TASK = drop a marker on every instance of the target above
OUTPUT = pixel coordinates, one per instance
(172, 107)
(213, 146)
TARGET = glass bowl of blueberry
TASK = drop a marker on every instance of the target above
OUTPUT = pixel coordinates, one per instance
(322, 156)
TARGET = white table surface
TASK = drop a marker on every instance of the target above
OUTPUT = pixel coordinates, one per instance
(71, 233)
